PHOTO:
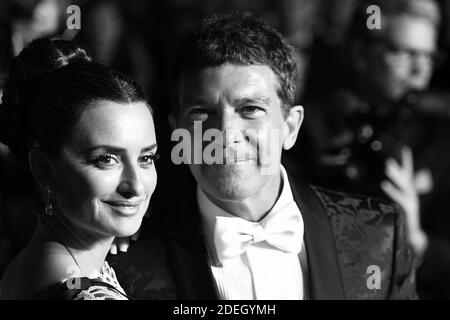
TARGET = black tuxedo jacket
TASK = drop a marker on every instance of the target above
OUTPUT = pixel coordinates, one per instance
(348, 239)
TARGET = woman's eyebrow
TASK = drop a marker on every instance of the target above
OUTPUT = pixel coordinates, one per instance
(106, 147)
(150, 148)
(116, 149)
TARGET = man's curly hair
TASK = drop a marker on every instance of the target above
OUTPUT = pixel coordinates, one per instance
(238, 39)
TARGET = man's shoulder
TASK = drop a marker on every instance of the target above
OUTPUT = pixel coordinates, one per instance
(339, 202)
(369, 235)
(144, 270)
(359, 218)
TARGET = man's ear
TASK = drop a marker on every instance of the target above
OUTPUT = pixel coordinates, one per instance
(42, 169)
(292, 126)
(172, 121)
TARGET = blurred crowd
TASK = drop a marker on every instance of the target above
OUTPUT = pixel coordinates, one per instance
(377, 102)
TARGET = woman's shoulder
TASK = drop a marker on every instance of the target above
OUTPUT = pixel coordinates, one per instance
(34, 274)
(45, 270)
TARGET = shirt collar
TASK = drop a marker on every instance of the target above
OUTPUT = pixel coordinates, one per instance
(209, 210)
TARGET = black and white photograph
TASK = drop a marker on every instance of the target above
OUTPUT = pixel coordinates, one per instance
(199, 151)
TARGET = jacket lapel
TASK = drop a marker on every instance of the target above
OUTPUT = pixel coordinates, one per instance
(187, 252)
(188, 256)
(325, 282)
(191, 270)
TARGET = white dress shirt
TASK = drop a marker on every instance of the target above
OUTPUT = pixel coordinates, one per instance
(262, 272)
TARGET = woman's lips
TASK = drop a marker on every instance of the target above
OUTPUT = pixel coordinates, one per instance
(125, 207)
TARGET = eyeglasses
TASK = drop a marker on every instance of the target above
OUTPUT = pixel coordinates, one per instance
(405, 56)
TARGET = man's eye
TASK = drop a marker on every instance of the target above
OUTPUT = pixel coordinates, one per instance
(252, 110)
(196, 111)
(198, 114)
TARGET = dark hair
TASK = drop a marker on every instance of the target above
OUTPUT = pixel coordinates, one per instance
(50, 84)
(237, 39)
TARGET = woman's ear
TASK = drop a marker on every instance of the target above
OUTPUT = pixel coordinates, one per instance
(41, 168)
(292, 126)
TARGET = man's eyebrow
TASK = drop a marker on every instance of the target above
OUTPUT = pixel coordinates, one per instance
(249, 100)
(201, 101)
(193, 101)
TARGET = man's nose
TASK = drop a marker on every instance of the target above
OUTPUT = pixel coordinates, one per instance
(131, 183)
(232, 127)
(422, 63)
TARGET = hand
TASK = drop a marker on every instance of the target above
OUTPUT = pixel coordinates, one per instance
(401, 188)
(123, 243)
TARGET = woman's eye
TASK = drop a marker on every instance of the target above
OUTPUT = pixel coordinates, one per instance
(107, 160)
(148, 159)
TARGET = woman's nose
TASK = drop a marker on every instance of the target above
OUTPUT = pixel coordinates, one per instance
(131, 183)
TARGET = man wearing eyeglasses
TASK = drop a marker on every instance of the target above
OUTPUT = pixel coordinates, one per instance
(370, 137)
(399, 58)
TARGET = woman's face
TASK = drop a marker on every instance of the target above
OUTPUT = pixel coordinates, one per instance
(105, 175)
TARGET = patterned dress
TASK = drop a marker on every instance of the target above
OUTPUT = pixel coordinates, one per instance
(100, 286)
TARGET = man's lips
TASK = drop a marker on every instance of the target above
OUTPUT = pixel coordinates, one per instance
(237, 156)
(237, 161)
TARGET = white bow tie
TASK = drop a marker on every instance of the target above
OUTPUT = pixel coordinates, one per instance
(282, 229)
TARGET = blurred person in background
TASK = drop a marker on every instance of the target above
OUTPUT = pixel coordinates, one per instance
(21, 21)
(369, 137)
(112, 37)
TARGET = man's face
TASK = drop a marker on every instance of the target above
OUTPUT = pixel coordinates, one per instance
(402, 60)
(242, 103)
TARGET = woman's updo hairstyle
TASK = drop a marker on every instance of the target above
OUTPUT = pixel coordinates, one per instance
(50, 84)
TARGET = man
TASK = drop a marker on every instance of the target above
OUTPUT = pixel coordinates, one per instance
(375, 137)
(244, 228)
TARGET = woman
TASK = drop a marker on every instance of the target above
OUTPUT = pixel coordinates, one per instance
(88, 136)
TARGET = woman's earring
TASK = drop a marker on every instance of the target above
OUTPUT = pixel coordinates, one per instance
(48, 211)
